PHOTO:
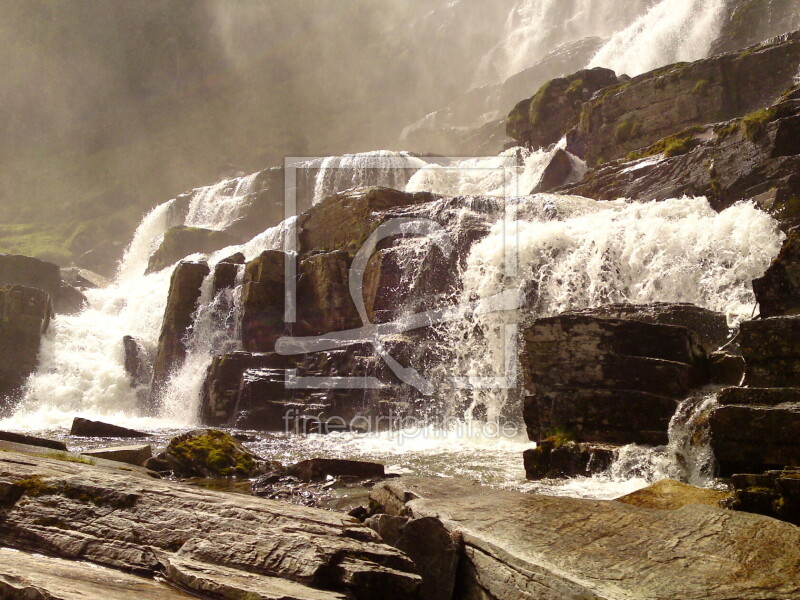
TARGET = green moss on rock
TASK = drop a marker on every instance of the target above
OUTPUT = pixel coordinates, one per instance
(210, 453)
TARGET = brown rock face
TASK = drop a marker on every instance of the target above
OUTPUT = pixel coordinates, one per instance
(24, 317)
(550, 460)
(184, 293)
(547, 116)
(774, 493)
(31, 272)
(608, 380)
(323, 294)
(263, 301)
(639, 112)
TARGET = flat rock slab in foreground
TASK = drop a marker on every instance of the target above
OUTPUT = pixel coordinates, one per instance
(223, 546)
(545, 548)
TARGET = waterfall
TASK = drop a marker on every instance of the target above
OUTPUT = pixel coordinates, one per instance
(571, 253)
(219, 206)
(671, 31)
(381, 167)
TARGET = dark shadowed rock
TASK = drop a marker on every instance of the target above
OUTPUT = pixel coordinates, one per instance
(132, 455)
(323, 294)
(180, 242)
(210, 453)
(556, 173)
(651, 106)
(70, 300)
(86, 428)
(774, 493)
(30, 440)
(778, 290)
(608, 380)
(214, 544)
(184, 294)
(749, 22)
(771, 352)
(725, 368)
(526, 546)
(31, 272)
(556, 108)
(24, 317)
(555, 459)
(320, 468)
(137, 363)
(430, 545)
(225, 275)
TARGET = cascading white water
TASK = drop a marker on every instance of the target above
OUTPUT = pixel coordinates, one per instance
(572, 253)
(671, 31)
(381, 167)
(218, 206)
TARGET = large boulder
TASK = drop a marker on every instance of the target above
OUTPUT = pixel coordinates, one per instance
(132, 455)
(749, 22)
(520, 546)
(651, 106)
(31, 272)
(180, 242)
(87, 428)
(25, 314)
(184, 294)
(213, 544)
(609, 380)
(547, 116)
(324, 303)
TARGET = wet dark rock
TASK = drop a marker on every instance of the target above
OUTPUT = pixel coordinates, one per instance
(263, 301)
(184, 294)
(774, 494)
(321, 468)
(70, 301)
(749, 22)
(31, 272)
(25, 314)
(529, 546)
(211, 453)
(771, 352)
(158, 463)
(555, 109)
(651, 106)
(430, 545)
(86, 428)
(778, 290)
(725, 368)
(555, 174)
(225, 275)
(608, 380)
(180, 242)
(668, 494)
(211, 543)
(132, 455)
(553, 459)
(30, 440)
(137, 362)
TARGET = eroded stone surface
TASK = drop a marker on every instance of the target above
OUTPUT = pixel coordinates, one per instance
(519, 546)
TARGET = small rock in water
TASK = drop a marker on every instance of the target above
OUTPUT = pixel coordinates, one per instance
(320, 468)
(86, 428)
(29, 440)
(132, 455)
(211, 453)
